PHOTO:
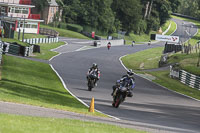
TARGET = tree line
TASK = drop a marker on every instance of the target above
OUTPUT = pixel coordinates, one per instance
(110, 16)
(190, 8)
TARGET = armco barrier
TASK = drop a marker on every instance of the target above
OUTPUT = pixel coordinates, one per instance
(113, 42)
(41, 40)
(48, 32)
(189, 79)
(1, 51)
(172, 47)
(186, 78)
(16, 49)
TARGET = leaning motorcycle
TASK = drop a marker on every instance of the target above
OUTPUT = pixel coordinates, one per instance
(91, 80)
(120, 94)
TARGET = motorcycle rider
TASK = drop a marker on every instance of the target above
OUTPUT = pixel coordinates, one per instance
(127, 81)
(95, 69)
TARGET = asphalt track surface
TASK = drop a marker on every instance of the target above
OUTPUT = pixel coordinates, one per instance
(151, 104)
(151, 107)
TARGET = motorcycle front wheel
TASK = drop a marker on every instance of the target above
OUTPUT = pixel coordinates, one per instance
(90, 85)
(118, 101)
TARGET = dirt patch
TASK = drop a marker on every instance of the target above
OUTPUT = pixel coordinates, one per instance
(142, 65)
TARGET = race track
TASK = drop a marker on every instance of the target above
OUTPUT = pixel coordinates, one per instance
(151, 105)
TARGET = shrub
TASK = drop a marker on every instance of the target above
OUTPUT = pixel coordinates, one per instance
(74, 27)
(62, 25)
(97, 32)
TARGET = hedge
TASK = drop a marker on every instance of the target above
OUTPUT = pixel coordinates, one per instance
(74, 27)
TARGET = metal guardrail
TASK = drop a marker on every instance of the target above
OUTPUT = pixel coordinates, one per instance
(186, 78)
(1, 51)
(189, 79)
(48, 32)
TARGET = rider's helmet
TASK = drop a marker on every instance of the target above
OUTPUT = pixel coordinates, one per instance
(94, 65)
(130, 73)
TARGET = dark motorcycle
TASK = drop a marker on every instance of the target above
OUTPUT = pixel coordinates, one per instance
(120, 94)
(91, 80)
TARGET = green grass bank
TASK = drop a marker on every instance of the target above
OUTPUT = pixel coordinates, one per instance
(45, 50)
(29, 82)
(26, 124)
(135, 60)
(66, 33)
(147, 59)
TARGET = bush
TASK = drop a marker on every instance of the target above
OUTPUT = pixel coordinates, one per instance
(53, 24)
(74, 27)
(97, 32)
(62, 25)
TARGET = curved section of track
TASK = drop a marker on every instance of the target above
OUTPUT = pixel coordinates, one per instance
(151, 105)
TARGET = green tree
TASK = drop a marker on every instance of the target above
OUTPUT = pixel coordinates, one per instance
(129, 12)
(174, 5)
(157, 12)
(190, 8)
(164, 9)
(40, 4)
(72, 10)
(98, 14)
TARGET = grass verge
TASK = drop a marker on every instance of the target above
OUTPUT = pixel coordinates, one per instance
(188, 62)
(28, 36)
(14, 40)
(135, 60)
(66, 33)
(172, 28)
(25, 124)
(146, 59)
(162, 78)
(29, 82)
(45, 52)
(166, 25)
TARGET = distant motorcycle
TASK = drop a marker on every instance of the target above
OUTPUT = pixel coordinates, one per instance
(120, 94)
(91, 80)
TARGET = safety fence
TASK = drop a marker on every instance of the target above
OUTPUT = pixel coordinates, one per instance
(41, 40)
(16, 49)
(1, 51)
(185, 78)
(172, 48)
(49, 32)
(189, 79)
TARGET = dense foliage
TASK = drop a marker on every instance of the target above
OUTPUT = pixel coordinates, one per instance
(190, 8)
(39, 4)
(138, 16)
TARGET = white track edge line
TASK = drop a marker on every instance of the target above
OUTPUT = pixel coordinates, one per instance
(60, 46)
(71, 92)
(167, 29)
(63, 82)
(157, 83)
(175, 29)
(75, 96)
(54, 56)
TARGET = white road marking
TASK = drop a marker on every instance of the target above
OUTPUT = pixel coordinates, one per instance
(156, 83)
(64, 85)
(83, 42)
